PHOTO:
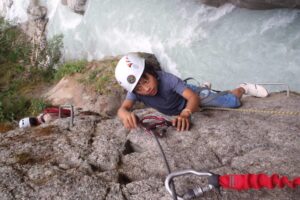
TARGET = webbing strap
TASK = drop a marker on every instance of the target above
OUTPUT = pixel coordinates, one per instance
(55, 110)
(256, 181)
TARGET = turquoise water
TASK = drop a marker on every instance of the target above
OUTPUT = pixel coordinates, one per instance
(225, 45)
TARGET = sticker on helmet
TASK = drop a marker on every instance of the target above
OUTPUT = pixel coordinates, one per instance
(128, 62)
(131, 79)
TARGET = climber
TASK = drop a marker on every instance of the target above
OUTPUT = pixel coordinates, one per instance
(169, 94)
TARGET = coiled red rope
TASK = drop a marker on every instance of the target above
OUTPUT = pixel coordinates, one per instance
(256, 181)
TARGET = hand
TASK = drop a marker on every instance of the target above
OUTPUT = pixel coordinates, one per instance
(130, 120)
(182, 122)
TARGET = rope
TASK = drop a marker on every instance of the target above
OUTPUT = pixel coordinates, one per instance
(150, 129)
(273, 112)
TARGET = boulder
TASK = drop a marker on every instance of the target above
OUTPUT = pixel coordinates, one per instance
(94, 90)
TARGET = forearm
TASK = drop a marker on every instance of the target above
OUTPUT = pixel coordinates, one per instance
(192, 105)
(122, 111)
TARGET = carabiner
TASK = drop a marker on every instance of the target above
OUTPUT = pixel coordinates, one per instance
(193, 193)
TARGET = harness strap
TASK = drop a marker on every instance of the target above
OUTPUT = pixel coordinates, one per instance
(200, 89)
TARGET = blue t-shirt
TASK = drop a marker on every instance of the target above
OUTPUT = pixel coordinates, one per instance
(169, 99)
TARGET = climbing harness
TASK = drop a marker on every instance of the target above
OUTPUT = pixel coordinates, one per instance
(207, 98)
(231, 181)
(151, 129)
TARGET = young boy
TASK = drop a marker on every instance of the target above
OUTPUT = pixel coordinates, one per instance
(170, 95)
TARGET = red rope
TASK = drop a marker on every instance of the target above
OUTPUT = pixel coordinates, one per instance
(55, 110)
(256, 181)
(155, 122)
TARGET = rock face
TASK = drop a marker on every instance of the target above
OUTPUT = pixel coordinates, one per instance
(72, 90)
(35, 28)
(98, 159)
(256, 4)
(78, 6)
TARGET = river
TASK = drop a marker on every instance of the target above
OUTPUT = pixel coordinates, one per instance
(226, 45)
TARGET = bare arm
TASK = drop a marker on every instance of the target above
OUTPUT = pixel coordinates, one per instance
(128, 118)
(182, 121)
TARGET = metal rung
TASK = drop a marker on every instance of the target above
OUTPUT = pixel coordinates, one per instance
(284, 84)
(67, 106)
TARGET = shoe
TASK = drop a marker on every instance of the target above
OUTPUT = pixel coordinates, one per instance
(206, 85)
(254, 90)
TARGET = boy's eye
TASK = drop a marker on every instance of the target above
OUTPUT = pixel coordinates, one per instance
(141, 82)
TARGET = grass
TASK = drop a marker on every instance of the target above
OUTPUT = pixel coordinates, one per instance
(100, 76)
(70, 68)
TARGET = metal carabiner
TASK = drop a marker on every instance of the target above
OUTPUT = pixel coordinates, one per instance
(193, 193)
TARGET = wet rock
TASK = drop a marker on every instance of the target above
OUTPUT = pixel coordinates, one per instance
(78, 6)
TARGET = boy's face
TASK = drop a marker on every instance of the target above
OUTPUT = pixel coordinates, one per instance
(147, 86)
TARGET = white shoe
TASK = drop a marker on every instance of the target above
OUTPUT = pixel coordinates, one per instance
(254, 90)
(206, 84)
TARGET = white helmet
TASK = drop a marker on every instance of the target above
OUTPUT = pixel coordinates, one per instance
(25, 122)
(129, 70)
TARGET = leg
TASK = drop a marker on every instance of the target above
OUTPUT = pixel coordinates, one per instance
(214, 99)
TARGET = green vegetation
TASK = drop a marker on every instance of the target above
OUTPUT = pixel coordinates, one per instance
(101, 76)
(23, 80)
(14, 45)
(70, 68)
(18, 79)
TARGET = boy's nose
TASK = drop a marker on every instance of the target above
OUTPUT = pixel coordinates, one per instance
(146, 88)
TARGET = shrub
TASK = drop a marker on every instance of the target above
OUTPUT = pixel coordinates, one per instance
(70, 68)
(14, 44)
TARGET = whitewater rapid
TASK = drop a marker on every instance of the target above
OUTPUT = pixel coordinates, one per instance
(225, 45)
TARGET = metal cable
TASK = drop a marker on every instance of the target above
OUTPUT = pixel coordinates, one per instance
(174, 195)
(150, 130)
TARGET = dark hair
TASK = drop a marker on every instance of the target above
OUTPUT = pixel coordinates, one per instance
(33, 121)
(150, 69)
